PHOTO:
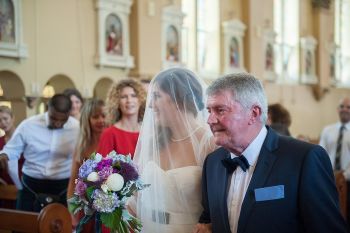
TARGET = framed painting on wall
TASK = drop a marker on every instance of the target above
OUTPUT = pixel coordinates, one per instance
(308, 66)
(172, 44)
(233, 46)
(269, 55)
(11, 44)
(334, 64)
(172, 18)
(113, 33)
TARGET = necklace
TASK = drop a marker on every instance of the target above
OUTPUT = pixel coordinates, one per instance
(184, 138)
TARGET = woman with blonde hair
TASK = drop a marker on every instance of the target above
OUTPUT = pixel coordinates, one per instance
(92, 123)
(125, 105)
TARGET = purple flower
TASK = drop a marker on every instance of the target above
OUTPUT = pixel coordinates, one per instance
(105, 172)
(104, 163)
(103, 202)
(86, 168)
(80, 188)
(127, 171)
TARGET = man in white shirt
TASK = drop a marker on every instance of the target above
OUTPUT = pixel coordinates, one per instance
(335, 139)
(47, 142)
(259, 181)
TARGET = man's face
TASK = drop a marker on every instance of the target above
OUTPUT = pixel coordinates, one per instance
(228, 121)
(57, 119)
(344, 110)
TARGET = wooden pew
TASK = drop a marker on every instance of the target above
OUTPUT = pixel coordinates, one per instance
(8, 192)
(54, 218)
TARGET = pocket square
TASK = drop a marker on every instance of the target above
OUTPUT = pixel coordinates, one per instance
(269, 193)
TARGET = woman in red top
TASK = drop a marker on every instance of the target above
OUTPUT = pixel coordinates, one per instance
(125, 105)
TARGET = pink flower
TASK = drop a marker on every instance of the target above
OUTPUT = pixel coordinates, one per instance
(105, 172)
(80, 187)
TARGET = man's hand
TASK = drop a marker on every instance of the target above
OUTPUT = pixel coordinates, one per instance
(4, 162)
(202, 228)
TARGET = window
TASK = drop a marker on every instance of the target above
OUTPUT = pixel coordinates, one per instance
(286, 25)
(201, 36)
(342, 38)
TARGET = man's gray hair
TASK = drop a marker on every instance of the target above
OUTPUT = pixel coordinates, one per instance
(245, 89)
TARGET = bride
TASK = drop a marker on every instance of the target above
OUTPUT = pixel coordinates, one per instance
(174, 141)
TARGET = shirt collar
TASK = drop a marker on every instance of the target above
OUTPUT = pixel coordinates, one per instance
(65, 126)
(46, 115)
(252, 151)
(346, 125)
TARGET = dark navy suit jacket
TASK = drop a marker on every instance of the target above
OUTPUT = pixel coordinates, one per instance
(310, 202)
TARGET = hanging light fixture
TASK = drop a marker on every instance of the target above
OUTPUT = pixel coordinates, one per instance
(48, 91)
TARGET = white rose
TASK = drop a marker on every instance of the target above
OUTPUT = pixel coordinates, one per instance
(93, 177)
(104, 188)
(115, 182)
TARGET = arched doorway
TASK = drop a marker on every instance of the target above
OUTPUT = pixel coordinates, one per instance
(60, 82)
(13, 94)
(56, 84)
(101, 88)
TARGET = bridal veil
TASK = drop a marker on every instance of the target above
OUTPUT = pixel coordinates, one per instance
(173, 143)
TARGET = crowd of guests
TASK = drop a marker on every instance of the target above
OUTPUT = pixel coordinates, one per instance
(218, 158)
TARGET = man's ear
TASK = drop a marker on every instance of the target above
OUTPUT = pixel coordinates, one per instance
(255, 114)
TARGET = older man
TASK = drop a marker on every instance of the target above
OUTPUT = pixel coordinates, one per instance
(259, 181)
(47, 142)
(335, 139)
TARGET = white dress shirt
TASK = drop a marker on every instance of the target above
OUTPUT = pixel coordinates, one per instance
(328, 141)
(48, 152)
(240, 180)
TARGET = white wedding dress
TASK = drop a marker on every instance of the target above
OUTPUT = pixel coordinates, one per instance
(181, 202)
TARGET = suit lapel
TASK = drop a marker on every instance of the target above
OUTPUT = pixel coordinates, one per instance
(223, 190)
(261, 173)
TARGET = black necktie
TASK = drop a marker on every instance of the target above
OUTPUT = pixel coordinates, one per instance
(337, 165)
(231, 164)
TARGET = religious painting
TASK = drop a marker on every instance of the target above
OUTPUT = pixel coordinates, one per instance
(114, 35)
(171, 36)
(334, 60)
(269, 58)
(308, 71)
(113, 42)
(308, 62)
(234, 53)
(7, 22)
(172, 44)
(332, 66)
(233, 31)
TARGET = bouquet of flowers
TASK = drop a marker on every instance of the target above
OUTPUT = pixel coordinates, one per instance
(102, 189)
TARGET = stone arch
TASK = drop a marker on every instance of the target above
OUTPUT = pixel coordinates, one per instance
(59, 83)
(101, 88)
(13, 93)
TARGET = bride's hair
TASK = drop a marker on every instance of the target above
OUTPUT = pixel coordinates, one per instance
(184, 89)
